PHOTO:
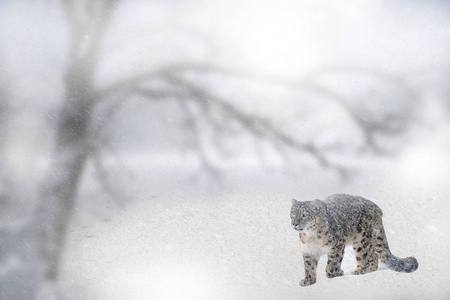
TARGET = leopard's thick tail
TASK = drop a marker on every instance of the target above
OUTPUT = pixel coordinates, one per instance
(406, 265)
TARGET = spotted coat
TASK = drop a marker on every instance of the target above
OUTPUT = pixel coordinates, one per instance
(327, 226)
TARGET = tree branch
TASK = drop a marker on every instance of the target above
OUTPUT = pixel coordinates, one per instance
(75, 26)
(105, 11)
(258, 126)
(254, 124)
(194, 127)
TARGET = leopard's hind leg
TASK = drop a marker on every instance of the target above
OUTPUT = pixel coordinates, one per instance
(366, 258)
(373, 261)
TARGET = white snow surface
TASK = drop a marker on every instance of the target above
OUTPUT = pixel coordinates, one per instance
(235, 241)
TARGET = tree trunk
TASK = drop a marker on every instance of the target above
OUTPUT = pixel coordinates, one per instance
(57, 201)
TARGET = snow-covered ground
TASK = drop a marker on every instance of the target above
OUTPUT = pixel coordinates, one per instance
(234, 241)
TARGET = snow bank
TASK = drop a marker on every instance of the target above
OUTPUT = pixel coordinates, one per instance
(235, 242)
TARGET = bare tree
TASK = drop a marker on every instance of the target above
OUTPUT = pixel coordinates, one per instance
(73, 143)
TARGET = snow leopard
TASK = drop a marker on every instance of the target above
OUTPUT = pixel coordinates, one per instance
(328, 226)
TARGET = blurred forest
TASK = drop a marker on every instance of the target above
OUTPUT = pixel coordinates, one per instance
(202, 90)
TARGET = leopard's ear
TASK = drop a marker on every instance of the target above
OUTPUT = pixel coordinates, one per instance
(294, 202)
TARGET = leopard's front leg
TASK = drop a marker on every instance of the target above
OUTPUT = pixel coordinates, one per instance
(310, 269)
(334, 261)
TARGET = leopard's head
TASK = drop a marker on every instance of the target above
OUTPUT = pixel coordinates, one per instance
(302, 216)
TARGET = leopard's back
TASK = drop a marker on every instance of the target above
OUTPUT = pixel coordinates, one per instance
(350, 215)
